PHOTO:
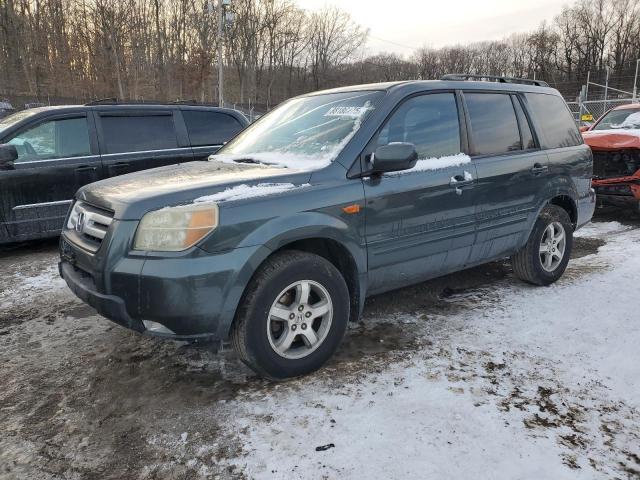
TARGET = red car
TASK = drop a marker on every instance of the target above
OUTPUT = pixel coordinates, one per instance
(615, 141)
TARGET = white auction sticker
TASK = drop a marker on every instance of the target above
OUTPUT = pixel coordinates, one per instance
(352, 112)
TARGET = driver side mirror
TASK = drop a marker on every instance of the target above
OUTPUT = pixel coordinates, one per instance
(8, 155)
(394, 157)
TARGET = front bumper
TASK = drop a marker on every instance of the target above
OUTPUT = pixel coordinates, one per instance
(622, 191)
(109, 306)
(586, 208)
(184, 296)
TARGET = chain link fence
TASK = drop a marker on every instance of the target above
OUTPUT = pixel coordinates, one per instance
(594, 107)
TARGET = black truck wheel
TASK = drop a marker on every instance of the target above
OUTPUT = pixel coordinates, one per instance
(292, 316)
(544, 258)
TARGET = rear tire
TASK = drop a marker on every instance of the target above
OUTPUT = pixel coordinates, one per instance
(544, 258)
(292, 316)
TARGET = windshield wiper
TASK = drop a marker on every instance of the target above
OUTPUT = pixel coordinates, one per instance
(247, 160)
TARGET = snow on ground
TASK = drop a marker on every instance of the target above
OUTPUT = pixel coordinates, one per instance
(38, 284)
(525, 382)
(601, 229)
(475, 375)
(240, 192)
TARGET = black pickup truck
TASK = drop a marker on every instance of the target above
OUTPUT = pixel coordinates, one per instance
(48, 153)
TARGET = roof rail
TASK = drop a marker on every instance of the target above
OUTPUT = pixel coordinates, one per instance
(185, 102)
(103, 101)
(493, 78)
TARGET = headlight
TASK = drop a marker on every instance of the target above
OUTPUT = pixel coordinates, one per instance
(174, 229)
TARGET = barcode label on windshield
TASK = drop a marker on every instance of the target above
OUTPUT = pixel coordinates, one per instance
(351, 112)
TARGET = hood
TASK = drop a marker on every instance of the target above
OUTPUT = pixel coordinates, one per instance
(131, 196)
(614, 139)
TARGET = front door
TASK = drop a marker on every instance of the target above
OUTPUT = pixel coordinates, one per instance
(420, 223)
(56, 157)
(133, 140)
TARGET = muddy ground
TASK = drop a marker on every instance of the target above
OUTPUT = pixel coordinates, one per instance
(81, 398)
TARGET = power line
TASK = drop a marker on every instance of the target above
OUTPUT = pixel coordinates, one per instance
(392, 43)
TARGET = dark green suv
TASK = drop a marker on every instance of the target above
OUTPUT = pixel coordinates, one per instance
(277, 240)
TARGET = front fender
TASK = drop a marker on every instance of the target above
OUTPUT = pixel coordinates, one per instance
(281, 231)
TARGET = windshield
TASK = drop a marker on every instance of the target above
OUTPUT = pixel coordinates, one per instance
(628, 118)
(305, 132)
(15, 118)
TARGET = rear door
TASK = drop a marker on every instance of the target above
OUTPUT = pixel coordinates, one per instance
(421, 223)
(209, 130)
(132, 140)
(56, 156)
(511, 171)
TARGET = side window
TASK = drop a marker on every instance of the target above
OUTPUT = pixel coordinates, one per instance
(210, 128)
(525, 129)
(494, 127)
(68, 137)
(138, 133)
(429, 121)
(555, 120)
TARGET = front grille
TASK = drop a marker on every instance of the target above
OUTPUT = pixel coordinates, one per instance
(88, 224)
(617, 163)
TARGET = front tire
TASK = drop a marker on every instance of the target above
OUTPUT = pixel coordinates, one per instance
(544, 258)
(292, 316)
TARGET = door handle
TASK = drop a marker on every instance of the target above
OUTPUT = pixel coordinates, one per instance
(86, 168)
(120, 165)
(538, 169)
(459, 181)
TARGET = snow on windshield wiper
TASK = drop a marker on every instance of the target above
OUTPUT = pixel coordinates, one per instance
(246, 160)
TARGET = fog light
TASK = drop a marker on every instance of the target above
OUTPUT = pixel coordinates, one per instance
(155, 327)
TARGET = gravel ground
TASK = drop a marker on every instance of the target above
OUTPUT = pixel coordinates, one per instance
(468, 375)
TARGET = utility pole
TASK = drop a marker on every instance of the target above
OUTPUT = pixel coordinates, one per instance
(606, 90)
(221, 4)
(635, 82)
(586, 93)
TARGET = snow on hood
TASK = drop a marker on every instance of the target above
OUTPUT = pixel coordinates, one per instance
(634, 132)
(436, 163)
(613, 139)
(244, 191)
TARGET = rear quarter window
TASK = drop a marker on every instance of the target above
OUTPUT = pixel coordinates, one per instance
(138, 133)
(210, 128)
(554, 119)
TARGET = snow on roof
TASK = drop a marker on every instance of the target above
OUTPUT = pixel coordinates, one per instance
(244, 191)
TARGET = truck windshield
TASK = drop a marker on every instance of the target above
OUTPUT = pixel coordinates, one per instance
(305, 132)
(628, 118)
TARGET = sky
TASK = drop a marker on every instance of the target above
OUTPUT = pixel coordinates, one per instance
(401, 26)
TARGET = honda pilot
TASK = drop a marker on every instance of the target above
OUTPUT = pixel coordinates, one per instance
(277, 240)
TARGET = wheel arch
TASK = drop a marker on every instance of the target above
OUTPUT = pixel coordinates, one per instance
(567, 203)
(341, 258)
(331, 243)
